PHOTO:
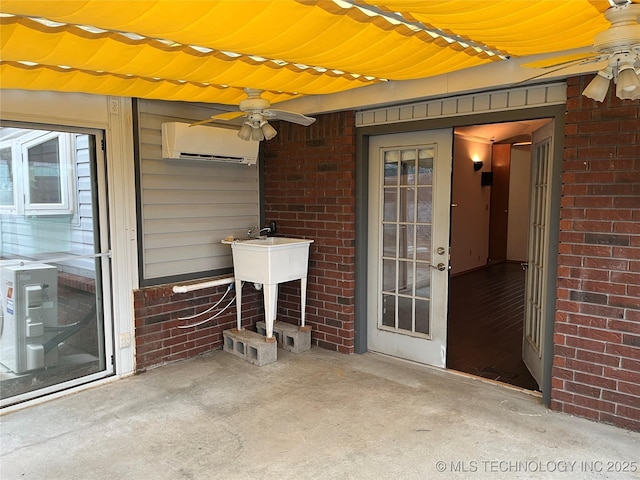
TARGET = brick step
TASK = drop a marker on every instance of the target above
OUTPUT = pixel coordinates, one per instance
(250, 346)
(289, 337)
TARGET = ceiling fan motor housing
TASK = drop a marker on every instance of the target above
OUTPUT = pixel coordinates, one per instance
(624, 33)
(254, 104)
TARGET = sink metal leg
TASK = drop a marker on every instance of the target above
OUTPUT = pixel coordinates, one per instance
(270, 308)
(303, 300)
(239, 303)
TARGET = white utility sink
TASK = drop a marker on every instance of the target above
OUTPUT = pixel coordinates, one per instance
(269, 261)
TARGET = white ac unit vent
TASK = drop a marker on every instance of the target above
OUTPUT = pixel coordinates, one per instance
(215, 144)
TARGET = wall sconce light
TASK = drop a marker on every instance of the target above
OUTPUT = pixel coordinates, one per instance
(477, 163)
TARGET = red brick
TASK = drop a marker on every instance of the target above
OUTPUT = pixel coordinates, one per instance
(562, 374)
(587, 320)
(587, 367)
(593, 226)
(628, 412)
(629, 364)
(595, 381)
(598, 358)
(609, 214)
(562, 396)
(606, 263)
(622, 325)
(621, 398)
(600, 335)
(600, 310)
(619, 421)
(627, 388)
(585, 344)
(581, 411)
(594, 404)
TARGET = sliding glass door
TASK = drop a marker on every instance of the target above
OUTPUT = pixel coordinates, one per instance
(55, 308)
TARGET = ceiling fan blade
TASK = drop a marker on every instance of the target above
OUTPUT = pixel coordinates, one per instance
(220, 117)
(228, 115)
(563, 60)
(292, 117)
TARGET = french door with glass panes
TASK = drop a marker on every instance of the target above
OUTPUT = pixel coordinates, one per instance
(538, 259)
(408, 264)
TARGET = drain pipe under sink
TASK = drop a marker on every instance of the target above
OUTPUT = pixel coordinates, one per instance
(199, 286)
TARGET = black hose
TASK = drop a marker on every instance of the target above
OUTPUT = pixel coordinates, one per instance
(70, 331)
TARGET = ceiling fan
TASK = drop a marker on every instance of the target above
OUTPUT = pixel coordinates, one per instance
(258, 112)
(619, 46)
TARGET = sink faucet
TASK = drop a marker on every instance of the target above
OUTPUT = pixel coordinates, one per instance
(251, 231)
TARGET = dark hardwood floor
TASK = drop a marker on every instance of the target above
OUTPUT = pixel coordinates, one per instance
(486, 309)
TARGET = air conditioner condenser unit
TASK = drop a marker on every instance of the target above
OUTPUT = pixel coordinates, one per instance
(29, 304)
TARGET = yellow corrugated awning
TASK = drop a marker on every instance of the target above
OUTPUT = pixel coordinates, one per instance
(208, 51)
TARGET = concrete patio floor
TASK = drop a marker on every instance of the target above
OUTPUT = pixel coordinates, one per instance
(313, 415)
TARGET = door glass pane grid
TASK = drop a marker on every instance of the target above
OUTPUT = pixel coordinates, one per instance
(406, 244)
(534, 317)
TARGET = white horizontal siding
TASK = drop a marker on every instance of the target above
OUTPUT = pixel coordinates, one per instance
(32, 236)
(185, 266)
(189, 206)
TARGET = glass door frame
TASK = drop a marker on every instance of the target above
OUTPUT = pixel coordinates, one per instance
(101, 256)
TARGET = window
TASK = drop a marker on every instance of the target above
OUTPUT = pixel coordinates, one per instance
(36, 173)
(7, 197)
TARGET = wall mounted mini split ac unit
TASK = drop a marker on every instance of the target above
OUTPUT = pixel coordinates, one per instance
(216, 144)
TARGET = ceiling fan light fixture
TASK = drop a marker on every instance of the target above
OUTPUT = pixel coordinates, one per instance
(268, 131)
(245, 131)
(257, 135)
(636, 92)
(598, 87)
(628, 82)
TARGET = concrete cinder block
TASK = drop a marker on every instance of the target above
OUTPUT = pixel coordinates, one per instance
(250, 346)
(290, 337)
(261, 328)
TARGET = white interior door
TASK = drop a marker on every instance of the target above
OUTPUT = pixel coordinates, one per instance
(409, 207)
(538, 245)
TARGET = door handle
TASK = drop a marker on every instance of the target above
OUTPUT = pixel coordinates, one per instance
(441, 267)
(524, 265)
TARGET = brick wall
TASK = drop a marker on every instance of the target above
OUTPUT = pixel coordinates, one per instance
(157, 311)
(310, 192)
(596, 371)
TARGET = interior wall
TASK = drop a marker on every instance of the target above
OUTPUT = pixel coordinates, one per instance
(518, 227)
(470, 210)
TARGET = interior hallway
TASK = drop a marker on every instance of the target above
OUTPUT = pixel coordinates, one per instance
(317, 414)
(486, 311)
